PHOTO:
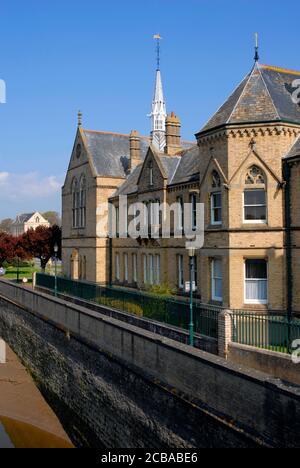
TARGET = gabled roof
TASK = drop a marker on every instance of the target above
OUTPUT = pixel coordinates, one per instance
(131, 183)
(265, 95)
(178, 169)
(23, 218)
(110, 152)
(188, 168)
(295, 150)
(170, 165)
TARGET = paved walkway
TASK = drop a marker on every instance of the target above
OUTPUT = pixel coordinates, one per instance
(22, 402)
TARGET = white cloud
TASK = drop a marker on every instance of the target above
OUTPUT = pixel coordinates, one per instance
(30, 186)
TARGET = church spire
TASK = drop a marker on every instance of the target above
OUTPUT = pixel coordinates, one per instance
(159, 113)
(256, 57)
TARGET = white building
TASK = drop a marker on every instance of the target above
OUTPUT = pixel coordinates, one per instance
(26, 221)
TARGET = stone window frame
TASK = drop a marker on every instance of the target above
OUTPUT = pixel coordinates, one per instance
(75, 191)
(82, 201)
(214, 297)
(266, 280)
(215, 189)
(256, 185)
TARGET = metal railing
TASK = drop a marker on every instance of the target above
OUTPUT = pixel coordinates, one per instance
(271, 332)
(161, 309)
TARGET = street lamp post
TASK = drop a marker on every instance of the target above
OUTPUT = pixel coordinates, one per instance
(192, 252)
(18, 270)
(55, 271)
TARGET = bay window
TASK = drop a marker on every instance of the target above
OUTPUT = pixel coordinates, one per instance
(255, 206)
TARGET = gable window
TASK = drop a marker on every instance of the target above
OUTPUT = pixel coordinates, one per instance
(256, 282)
(217, 280)
(255, 197)
(151, 180)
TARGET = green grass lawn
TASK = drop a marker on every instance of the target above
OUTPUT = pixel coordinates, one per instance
(24, 272)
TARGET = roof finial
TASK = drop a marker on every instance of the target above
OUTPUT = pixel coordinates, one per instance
(79, 118)
(256, 57)
(158, 38)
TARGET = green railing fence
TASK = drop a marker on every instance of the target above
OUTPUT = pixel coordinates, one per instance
(162, 309)
(272, 332)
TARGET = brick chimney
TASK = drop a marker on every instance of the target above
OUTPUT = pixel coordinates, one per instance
(173, 127)
(135, 149)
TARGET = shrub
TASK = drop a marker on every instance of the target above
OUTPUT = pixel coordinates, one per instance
(126, 306)
(161, 290)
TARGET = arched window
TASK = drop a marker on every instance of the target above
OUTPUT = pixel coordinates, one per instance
(216, 180)
(75, 203)
(82, 203)
(216, 199)
(255, 196)
(255, 176)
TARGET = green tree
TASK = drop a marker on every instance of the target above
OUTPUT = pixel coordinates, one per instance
(53, 217)
(5, 225)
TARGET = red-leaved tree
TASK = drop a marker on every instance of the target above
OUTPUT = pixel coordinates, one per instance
(7, 248)
(40, 243)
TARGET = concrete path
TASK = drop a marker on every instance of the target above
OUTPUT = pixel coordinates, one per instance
(22, 402)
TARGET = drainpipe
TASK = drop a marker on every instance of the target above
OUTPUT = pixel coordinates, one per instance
(289, 268)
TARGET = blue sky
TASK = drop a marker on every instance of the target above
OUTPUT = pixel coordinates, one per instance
(98, 56)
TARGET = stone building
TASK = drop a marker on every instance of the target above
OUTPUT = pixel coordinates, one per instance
(236, 168)
(25, 222)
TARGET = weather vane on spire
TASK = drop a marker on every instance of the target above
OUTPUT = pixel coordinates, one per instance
(256, 58)
(158, 38)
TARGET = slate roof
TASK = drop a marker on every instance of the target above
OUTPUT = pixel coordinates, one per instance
(130, 185)
(110, 152)
(170, 165)
(23, 218)
(295, 150)
(264, 95)
(188, 169)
